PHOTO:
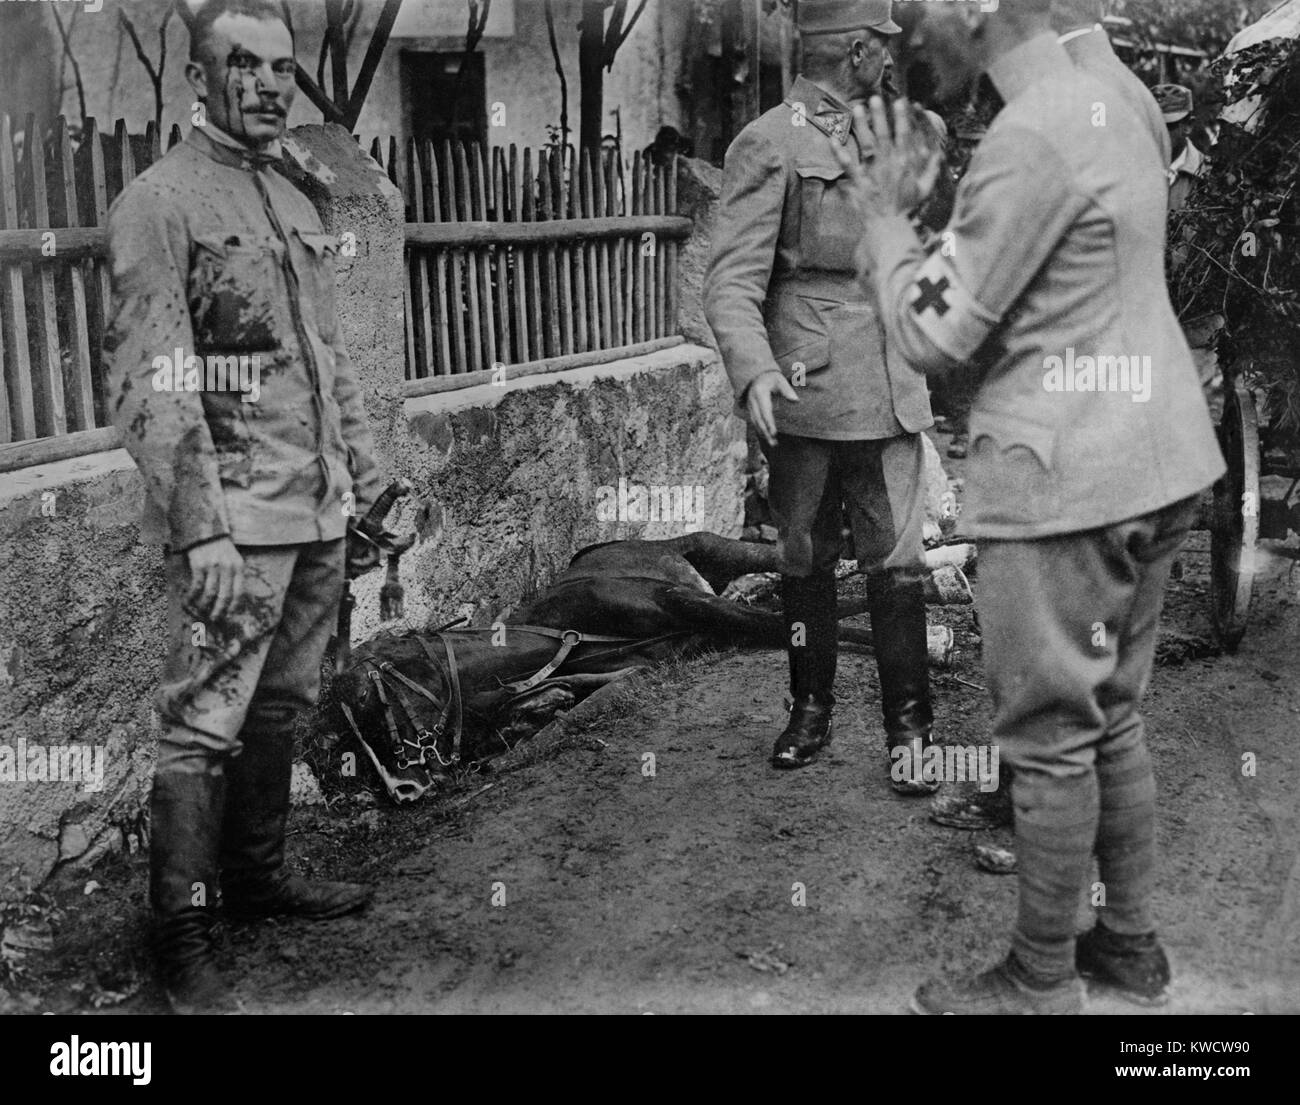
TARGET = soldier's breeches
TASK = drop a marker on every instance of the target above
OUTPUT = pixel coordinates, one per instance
(814, 486)
(256, 668)
(1069, 632)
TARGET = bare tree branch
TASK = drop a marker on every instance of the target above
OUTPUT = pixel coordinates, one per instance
(351, 19)
(155, 75)
(370, 63)
(622, 38)
(564, 84)
(613, 23)
(320, 60)
(64, 32)
(473, 34)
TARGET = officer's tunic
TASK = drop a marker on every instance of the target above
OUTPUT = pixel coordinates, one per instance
(1091, 411)
(222, 277)
(781, 294)
(1093, 53)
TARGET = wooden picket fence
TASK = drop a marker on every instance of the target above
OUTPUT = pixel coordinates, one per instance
(515, 264)
(54, 202)
(519, 264)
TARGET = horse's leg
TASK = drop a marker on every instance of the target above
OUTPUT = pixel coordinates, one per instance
(716, 617)
(722, 559)
(744, 624)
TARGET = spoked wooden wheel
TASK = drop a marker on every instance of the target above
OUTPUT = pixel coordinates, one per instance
(1235, 525)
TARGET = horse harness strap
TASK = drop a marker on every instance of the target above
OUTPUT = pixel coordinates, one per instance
(452, 710)
(426, 739)
(569, 640)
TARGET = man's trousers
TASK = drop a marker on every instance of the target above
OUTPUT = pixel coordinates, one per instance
(1069, 626)
(814, 484)
(814, 487)
(254, 670)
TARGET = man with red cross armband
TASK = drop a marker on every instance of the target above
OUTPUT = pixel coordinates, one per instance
(1090, 442)
(839, 420)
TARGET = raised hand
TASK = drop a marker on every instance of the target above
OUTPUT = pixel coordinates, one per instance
(903, 168)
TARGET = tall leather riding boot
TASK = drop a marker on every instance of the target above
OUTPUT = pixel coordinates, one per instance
(811, 628)
(898, 625)
(254, 879)
(185, 826)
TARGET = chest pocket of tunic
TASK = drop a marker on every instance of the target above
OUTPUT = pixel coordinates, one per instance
(234, 280)
(317, 276)
(829, 231)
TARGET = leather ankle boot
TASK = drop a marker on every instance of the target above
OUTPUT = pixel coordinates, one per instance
(808, 731)
(1134, 967)
(254, 879)
(902, 659)
(185, 827)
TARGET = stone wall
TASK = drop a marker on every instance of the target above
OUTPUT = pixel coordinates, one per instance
(509, 481)
(81, 628)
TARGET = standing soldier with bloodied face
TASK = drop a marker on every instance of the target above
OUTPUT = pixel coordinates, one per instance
(839, 419)
(217, 259)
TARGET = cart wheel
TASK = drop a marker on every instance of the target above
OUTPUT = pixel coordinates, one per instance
(1235, 524)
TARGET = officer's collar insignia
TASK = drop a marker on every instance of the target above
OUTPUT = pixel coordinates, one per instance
(834, 123)
(832, 118)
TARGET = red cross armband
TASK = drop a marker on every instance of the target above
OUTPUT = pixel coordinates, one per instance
(941, 308)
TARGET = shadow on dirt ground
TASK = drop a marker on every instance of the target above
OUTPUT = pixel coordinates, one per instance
(580, 881)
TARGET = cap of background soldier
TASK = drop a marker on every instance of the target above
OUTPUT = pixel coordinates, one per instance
(1175, 101)
(828, 17)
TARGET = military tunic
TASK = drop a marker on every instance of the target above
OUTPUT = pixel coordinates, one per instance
(216, 256)
(781, 293)
(1093, 53)
(237, 401)
(1091, 410)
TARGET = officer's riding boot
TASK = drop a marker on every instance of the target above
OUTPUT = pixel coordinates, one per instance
(811, 629)
(184, 837)
(254, 879)
(898, 626)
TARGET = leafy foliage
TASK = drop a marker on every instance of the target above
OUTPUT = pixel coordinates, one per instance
(1239, 232)
(1198, 24)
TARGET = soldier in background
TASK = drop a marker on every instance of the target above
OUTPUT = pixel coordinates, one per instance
(1186, 163)
(216, 258)
(839, 419)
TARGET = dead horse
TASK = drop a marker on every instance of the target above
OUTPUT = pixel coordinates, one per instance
(423, 704)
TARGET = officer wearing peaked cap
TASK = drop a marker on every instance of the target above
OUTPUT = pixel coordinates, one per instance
(839, 419)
